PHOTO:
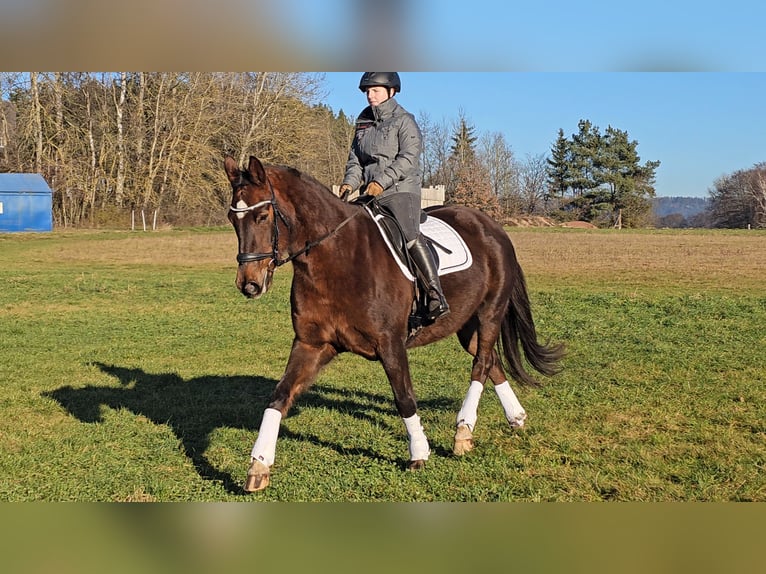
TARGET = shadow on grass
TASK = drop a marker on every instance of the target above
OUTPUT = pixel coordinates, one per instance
(194, 408)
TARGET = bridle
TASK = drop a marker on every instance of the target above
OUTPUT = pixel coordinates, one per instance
(243, 258)
(272, 201)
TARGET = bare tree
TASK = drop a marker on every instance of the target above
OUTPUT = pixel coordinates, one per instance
(155, 140)
(533, 186)
(758, 191)
(739, 199)
(9, 82)
(37, 121)
(436, 150)
(120, 95)
(257, 99)
(498, 158)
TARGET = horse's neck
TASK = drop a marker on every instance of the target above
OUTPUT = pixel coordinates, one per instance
(313, 214)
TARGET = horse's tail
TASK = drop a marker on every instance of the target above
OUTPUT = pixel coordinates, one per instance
(518, 326)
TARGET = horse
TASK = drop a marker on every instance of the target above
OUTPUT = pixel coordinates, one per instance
(349, 295)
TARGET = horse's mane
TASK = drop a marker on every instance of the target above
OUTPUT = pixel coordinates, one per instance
(309, 180)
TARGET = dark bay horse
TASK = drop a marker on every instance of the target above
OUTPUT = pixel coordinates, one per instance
(348, 294)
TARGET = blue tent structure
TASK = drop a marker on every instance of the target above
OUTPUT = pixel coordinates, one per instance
(26, 203)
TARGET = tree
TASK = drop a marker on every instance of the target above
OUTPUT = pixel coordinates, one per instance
(463, 141)
(496, 155)
(559, 167)
(630, 185)
(119, 94)
(739, 199)
(532, 183)
(154, 140)
(603, 175)
(471, 188)
(470, 184)
(436, 151)
(585, 149)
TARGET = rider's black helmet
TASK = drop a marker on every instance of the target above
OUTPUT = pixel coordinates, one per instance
(385, 79)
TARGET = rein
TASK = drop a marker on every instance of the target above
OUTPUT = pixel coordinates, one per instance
(274, 255)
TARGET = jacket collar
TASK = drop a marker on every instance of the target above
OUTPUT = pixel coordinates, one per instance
(384, 110)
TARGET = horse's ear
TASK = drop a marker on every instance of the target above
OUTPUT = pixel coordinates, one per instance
(257, 172)
(231, 167)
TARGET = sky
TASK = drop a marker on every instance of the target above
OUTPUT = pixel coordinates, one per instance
(548, 35)
(434, 35)
(699, 125)
(685, 79)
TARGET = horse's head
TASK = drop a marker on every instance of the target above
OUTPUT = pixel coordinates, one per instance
(253, 214)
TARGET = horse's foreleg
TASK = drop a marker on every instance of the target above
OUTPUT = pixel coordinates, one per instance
(396, 365)
(419, 449)
(302, 367)
(264, 449)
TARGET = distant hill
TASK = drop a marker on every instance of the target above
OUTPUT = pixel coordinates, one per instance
(687, 207)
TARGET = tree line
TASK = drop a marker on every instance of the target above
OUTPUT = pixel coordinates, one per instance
(108, 143)
(738, 200)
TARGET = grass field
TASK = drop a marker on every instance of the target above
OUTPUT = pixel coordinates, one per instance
(132, 370)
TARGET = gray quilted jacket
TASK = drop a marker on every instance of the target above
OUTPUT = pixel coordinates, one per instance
(386, 149)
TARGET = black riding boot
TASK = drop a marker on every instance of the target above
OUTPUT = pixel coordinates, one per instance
(424, 260)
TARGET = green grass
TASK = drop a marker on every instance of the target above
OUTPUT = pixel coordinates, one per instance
(133, 370)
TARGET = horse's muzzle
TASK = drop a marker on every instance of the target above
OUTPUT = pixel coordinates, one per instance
(253, 285)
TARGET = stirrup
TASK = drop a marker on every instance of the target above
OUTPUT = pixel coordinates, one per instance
(442, 308)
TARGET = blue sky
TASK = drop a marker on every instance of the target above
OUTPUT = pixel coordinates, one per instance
(686, 79)
(550, 35)
(700, 126)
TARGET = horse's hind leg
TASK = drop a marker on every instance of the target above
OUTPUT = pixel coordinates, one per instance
(466, 419)
(486, 364)
(514, 412)
(468, 413)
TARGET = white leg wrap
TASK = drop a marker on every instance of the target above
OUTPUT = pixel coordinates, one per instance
(469, 411)
(419, 449)
(266, 444)
(514, 412)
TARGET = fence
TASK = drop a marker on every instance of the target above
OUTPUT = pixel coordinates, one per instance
(430, 195)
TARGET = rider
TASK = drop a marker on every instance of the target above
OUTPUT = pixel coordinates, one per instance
(384, 161)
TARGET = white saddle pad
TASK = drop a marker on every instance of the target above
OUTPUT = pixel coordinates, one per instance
(452, 251)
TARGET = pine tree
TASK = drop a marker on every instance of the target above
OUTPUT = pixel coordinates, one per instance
(603, 174)
(559, 167)
(463, 141)
(470, 184)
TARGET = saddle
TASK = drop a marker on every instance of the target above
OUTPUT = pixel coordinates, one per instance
(450, 260)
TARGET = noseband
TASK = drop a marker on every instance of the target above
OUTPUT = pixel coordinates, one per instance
(243, 258)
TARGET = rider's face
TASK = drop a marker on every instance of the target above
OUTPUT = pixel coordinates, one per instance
(376, 95)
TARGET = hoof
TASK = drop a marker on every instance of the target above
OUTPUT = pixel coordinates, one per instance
(257, 476)
(518, 421)
(417, 465)
(463, 441)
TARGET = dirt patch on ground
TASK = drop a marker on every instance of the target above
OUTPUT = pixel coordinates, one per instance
(529, 221)
(539, 221)
(579, 225)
